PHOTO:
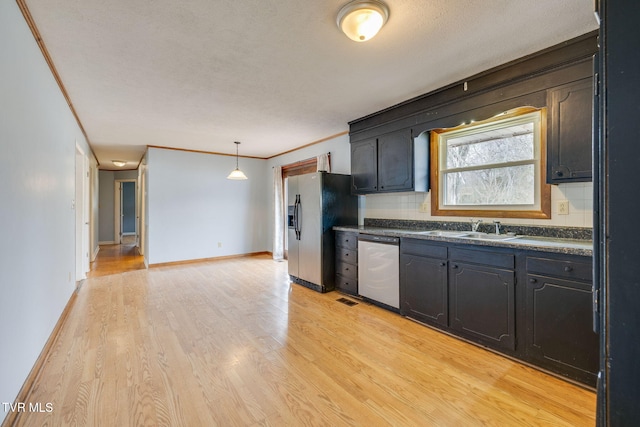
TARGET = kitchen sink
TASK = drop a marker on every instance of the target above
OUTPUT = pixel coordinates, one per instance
(486, 236)
(444, 233)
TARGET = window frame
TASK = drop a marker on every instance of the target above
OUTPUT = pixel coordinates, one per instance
(543, 190)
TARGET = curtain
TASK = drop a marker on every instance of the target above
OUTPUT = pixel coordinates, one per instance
(323, 163)
(278, 226)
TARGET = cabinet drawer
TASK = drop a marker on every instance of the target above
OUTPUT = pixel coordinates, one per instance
(422, 248)
(484, 257)
(347, 240)
(346, 284)
(347, 255)
(560, 268)
(346, 269)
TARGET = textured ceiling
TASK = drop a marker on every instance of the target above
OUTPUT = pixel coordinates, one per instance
(273, 74)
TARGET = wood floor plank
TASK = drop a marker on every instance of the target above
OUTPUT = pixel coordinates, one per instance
(233, 343)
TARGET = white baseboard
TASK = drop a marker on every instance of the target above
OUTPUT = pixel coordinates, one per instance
(107, 242)
(95, 253)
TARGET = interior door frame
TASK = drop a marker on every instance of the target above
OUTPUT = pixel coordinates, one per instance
(82, 216)
(140, 209)
(117, 213)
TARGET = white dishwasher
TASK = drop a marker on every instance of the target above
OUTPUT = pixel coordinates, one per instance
(378, 269)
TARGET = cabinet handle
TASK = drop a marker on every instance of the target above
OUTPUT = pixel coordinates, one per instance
(533, 280)
(559, 173)
(454, 266)
(346, 269)
(568, 268)
(443, 264)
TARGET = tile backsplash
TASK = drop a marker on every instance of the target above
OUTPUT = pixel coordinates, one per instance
(417, 206)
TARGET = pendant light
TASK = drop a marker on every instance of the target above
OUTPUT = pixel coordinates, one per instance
(237, 173)
(361, 20)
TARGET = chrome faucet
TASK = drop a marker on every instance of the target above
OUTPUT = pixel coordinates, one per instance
(475, 224)
(497, 223)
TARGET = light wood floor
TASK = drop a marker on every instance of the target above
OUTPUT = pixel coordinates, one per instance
(233, 343)
(114, 259)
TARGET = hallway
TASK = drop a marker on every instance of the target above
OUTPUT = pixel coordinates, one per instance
(113, 259)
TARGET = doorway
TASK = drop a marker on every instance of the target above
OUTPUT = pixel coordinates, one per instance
(126, 212)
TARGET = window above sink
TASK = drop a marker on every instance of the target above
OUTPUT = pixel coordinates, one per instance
(492, 168)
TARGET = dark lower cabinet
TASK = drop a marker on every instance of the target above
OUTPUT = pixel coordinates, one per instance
(482, 296)
(482, 302)
(423, 283)
(532, 305)
(347, 262)
(559, 333)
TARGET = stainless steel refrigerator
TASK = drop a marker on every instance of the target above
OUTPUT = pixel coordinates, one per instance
(316, 203)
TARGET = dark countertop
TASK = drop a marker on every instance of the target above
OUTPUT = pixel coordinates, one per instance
(532, 243)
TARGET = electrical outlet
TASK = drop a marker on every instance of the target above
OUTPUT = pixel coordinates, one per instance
(563, 207)
(424, 207)
(219, 244)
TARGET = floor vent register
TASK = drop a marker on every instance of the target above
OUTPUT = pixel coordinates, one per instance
(347, 301)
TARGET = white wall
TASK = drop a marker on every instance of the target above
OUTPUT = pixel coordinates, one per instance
(408, 206)
(338, 147)
(105, 212)
(192, 207)
(38, 135)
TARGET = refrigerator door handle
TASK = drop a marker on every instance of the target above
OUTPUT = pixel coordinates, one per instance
(297, 217)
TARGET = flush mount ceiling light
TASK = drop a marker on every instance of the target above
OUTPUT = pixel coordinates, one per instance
(237, 173)
(119, 163)
(361, 20)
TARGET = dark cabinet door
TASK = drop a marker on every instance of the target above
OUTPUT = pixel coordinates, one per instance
(482, 303)
(395, 161)
(347, 262)
(569, 134)
(559, 334)
(423, 286)
(364, 166)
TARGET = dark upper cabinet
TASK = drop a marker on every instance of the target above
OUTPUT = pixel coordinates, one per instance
(423, 282)
(558, 307)
(395, 161)
(570, 124)
(482, 297)
(364, 166)
(390, 163)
